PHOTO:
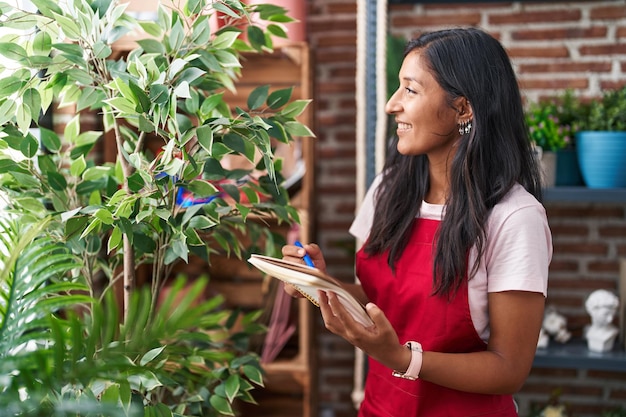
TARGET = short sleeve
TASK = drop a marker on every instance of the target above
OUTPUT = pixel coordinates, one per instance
(519, 246)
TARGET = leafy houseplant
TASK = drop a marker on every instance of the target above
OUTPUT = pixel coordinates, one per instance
(167, 196)
(552, 126)
(601, 140)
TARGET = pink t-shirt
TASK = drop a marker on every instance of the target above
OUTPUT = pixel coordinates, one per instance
(517, 253)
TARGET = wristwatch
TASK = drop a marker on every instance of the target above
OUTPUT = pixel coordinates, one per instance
(412, 373)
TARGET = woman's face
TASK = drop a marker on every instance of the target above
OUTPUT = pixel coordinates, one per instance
(426, 123)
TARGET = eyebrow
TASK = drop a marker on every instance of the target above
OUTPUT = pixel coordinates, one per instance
(412, 79)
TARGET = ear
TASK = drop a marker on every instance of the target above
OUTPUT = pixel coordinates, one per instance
(464, 109)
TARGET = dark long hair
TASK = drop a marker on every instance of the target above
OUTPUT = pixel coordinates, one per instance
(489, 161)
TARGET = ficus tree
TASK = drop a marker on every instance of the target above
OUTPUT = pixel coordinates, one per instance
(167, 195)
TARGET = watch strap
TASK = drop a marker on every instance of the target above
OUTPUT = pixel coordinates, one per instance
(415, 366)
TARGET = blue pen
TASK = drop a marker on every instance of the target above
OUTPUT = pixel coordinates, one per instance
(307, 258)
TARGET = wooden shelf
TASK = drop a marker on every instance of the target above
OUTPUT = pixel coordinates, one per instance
(575, 355)
(584, 195)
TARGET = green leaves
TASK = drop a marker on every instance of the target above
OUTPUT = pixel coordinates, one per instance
(13, 52)
(10, 85)
(257, 97)
(148, 164)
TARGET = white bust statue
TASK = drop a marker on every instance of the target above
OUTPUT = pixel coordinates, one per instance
(601, 306)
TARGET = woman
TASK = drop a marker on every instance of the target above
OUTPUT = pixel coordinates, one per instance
(457, 245)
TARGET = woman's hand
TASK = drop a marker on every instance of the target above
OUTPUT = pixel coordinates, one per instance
(296, 254)
(379, 341)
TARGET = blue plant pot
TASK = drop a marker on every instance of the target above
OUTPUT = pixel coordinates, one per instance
(602, 158)
(567, 170)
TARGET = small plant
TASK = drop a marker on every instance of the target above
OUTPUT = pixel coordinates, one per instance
(553, 123)
(554, 407)
(615, 412)
(606, 113)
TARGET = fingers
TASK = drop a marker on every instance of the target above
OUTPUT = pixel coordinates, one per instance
(326, 310)
(336, 318)
(295, 253)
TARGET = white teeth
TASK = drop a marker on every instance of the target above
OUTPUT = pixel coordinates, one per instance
(404, 126)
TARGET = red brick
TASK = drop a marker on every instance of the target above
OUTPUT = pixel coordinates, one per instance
(563, 66)
(336, 189)
(337, 40)
(335, 8)
(329, 87)
(603, 266)
(430, 20)
(614, 230)
(569, 229)
(572, 32)
(349, 103)
(346, 136)
(557, 15)
(401, 8)
(619, 394)
(346, 209)
(554, 83)
(485, 6)
(605, 49)
(607, 375)
(580, 284)
(621, 250)
(564, 301)
(328, 24)
(346, 72)
(607, 12)
(336, 56)
(558, 265)
(334, 117)
(612, 85)
(517, 52)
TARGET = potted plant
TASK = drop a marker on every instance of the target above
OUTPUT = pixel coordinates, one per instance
(601, 141)
(552, 126)
(550, 135)
(166, 196)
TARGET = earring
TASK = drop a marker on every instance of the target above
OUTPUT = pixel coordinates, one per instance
(465, 127)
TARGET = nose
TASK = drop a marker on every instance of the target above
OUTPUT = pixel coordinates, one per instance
(393, 105)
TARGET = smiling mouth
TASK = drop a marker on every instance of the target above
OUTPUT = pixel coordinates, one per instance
(403, 126)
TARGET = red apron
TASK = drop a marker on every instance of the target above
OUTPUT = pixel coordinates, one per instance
(439, 324)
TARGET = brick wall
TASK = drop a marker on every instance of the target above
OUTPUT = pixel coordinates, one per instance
(589, 240)
(556, 45)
